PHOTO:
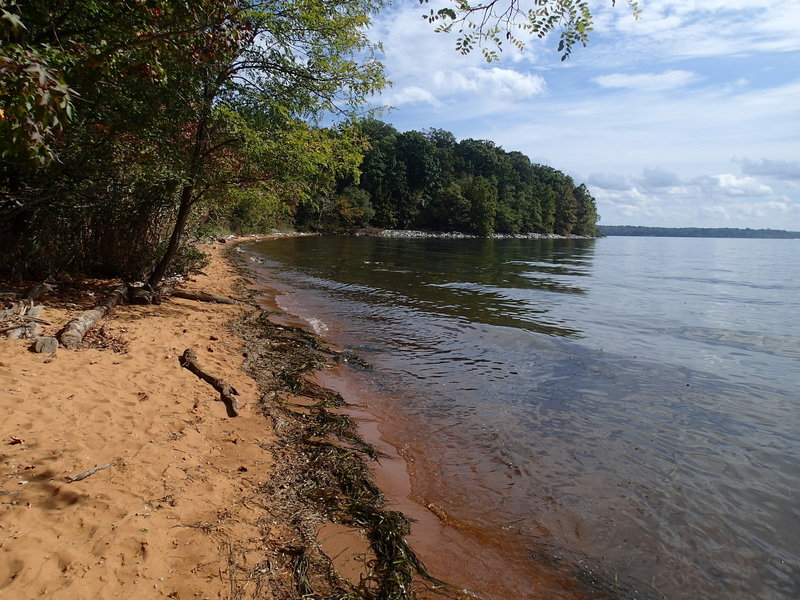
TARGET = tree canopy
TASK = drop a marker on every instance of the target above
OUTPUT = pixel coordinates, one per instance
(429, 180)
(119, 117)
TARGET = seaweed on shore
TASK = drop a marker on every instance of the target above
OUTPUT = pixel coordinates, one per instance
(322, 470)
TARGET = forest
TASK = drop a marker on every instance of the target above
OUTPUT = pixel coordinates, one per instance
(128, 129)
(429, 180)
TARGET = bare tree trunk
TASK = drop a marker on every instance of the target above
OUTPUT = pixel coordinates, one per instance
(175, 239)
(187, 199)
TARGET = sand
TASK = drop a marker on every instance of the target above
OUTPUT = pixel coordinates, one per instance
(179, 513)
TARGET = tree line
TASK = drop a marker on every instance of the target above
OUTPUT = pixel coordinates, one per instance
(126, 127)
(705, 232)
(429, 180)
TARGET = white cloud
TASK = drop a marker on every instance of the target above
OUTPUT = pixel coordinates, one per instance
(609, 181)
(778, 169)
(656, 209)
(647, 82)
(426, 68)
(682, 29)
(505, 84)
(410, 95)
(654, 110)
(657, 177)
(731, 185)
(660, 197)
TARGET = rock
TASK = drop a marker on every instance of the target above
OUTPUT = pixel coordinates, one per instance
(45, 344)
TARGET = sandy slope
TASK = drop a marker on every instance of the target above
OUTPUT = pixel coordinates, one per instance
(170, 518)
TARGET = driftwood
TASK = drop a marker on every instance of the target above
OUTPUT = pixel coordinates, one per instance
(12, 328)
(85, 474)
(15, 311)
(21, 320)
(71, 336)
(203, 297)
(31, 326)
(226, 391)
(45, 345)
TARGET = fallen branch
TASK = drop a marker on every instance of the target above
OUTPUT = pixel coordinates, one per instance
(17, 326)
(16, 311)
(204, 297)
(86, 474)
(28, 324)
(36, 319)
(226, 391)
(71, 336)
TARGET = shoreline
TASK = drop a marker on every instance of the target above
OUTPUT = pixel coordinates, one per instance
(457, 235)
(197, 504)
(447, 545)
(194, 504)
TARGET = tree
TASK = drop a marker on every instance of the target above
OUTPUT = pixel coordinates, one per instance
(482, 198)
(178, 101)
(383, 174)
(586, 222)
(495, 20)
(307, 58)
(128, 66)
(472, 185)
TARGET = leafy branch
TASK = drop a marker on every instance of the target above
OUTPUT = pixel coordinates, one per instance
(493, 22)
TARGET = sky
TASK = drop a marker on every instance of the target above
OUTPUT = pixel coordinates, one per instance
(688, 117)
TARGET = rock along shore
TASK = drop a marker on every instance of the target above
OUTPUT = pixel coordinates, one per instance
(412, 234)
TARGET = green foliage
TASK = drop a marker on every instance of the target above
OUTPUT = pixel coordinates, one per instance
(482, 198)
(188, 260)
(251, 209)
(429, 180)
(34, 99)
(201, 103)
(494, 21)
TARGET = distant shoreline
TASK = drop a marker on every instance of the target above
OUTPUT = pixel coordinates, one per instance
(699, 232)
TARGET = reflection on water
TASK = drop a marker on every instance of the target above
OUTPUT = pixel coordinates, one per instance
(626, 403)
(473, 281)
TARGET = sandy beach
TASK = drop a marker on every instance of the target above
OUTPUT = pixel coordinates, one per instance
(189, 503)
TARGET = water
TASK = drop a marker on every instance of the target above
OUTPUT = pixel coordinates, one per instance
(627, 406)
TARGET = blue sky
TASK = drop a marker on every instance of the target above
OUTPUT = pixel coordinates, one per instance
(688, 117)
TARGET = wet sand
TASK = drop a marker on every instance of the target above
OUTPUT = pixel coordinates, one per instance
(477, 562)
(480, 563)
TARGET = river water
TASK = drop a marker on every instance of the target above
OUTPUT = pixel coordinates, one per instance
(623, 410)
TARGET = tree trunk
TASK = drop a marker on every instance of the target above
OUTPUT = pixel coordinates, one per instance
(71, 336)
(175, 239)
(187, 197)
